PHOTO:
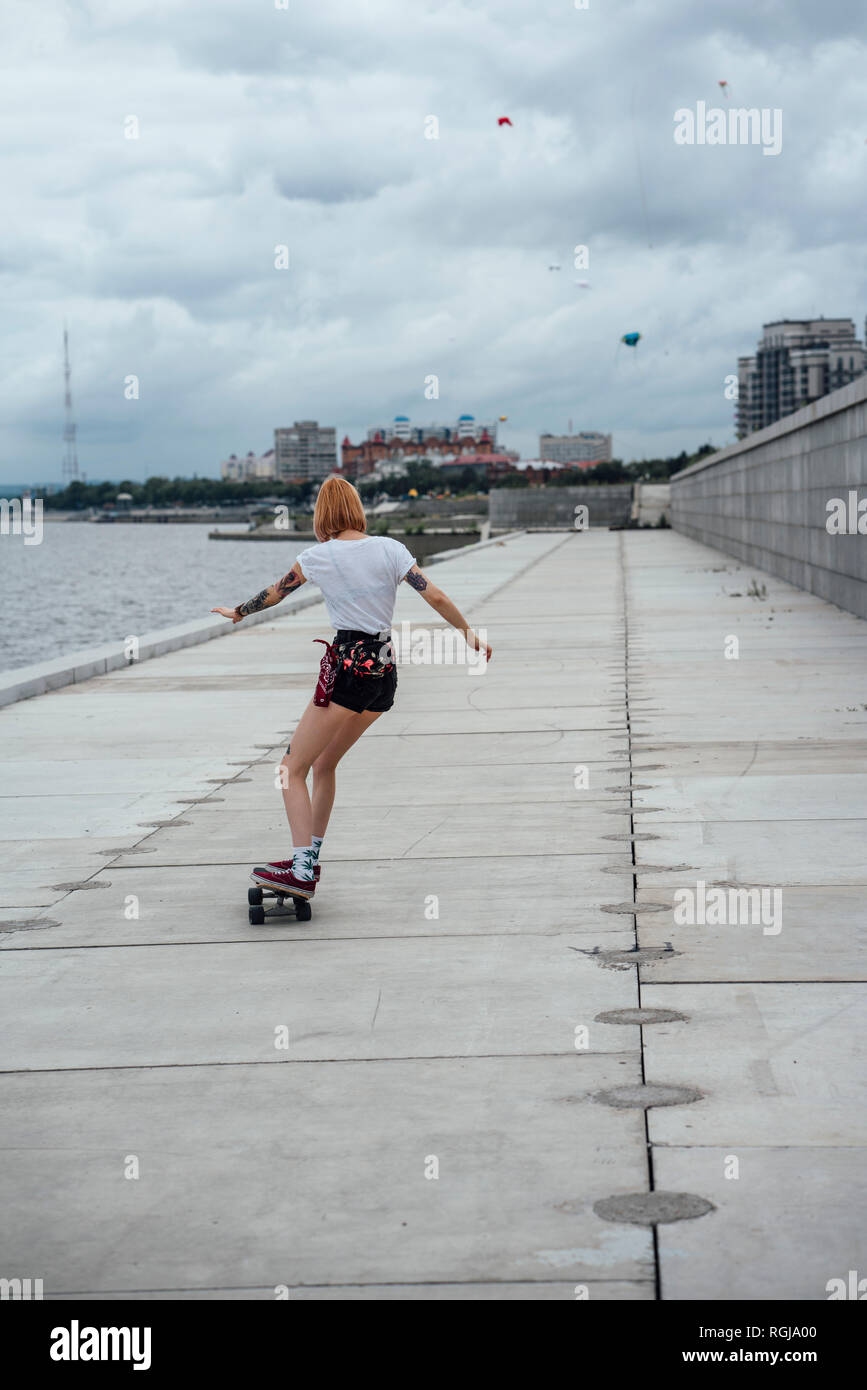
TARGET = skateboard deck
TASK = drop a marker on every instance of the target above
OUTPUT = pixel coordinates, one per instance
(300, 909)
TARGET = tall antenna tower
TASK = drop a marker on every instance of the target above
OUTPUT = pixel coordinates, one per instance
(70, 452)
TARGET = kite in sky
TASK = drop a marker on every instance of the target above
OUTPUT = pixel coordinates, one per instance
(725, 86)
(630, 339)
(503, 120)
(504, 417)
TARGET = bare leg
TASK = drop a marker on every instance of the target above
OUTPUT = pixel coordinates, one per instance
(316, 729)
(325, 767)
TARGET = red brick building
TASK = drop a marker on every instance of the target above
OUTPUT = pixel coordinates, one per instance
(359, 459)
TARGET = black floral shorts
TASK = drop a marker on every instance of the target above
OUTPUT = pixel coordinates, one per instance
(363, 694)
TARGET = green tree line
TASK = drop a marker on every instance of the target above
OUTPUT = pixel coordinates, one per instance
(422, 475)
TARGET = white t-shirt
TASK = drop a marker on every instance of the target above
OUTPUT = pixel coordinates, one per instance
(358, 579)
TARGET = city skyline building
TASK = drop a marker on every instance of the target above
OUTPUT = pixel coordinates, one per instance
(797, 361)
(588, 446)
(401, 429)
(306, 452)
(401, 441)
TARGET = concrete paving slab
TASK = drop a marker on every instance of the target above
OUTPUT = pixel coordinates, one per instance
(69, 857)
(102, 776)
(791, 852)
(754, 757)
(365, 898)
(442, 751)
(440, 786)
(218, 835)
(25, 888)
(262, 1166)
(823, 937)
(599, 740)
(540, 1291)
(791, 1069)
(56, 817)
(781, 1230)
(829, 796)
(426, 997)
(315, 1174)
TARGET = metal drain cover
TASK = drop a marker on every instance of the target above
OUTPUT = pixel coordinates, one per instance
(653, 1208)
(643, 1097)
(641, 1016)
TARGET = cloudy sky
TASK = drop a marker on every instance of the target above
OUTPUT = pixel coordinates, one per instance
(305, 126)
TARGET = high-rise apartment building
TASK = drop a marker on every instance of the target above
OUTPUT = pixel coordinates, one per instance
(796, 362)
(575, 448)
(401, 428)
(305, 452)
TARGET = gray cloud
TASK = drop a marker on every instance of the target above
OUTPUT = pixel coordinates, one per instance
(408, 256)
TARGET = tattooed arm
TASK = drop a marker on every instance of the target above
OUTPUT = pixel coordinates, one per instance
(446, 609)
(268, 597)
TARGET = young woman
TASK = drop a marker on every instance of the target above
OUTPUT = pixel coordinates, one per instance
(358, 575)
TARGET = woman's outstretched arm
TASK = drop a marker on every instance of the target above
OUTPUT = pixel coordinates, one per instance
(446, 609)
(268, 597)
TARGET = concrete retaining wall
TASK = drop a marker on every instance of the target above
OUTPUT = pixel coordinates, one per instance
(765, 499)
(609, 504)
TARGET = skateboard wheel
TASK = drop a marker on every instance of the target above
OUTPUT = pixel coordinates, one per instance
(257, 916)
(303, 910)
(254, 896)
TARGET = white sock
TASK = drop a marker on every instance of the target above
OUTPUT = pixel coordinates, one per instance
(303, 859)
(317, 845)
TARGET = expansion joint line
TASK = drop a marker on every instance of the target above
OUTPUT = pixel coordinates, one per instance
(624, 604)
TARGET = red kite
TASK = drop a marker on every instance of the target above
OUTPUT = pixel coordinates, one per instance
(503, 120)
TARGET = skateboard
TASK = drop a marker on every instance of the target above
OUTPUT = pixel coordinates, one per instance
(301, 909)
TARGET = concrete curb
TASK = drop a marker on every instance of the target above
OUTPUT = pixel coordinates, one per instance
(76, 667)
(441, 555)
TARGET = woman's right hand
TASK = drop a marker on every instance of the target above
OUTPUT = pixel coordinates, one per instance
(479, 646)
(228, 613)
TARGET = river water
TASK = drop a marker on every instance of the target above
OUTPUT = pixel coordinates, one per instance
(88, 584)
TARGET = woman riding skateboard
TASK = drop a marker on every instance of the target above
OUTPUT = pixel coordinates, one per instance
(358, 575)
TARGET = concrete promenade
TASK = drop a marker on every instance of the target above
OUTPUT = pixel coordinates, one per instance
(194, 1107)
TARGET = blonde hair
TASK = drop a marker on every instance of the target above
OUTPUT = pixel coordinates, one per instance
(338, 508)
